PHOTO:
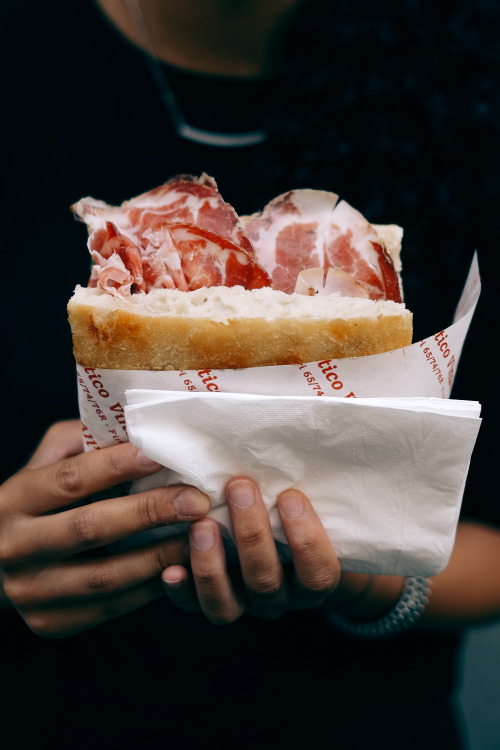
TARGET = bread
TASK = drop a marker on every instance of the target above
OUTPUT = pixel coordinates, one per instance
(229, 328)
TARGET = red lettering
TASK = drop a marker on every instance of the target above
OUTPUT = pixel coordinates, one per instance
(207, 380)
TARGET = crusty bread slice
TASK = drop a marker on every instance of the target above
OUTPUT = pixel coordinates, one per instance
(229, 327)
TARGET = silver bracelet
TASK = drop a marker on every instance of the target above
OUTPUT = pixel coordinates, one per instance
(411, 604)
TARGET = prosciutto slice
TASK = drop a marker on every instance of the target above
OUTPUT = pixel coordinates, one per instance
(171, 256)
(115, 254)
(181, 235)
(186, 199)
(306, 229)
(196, 258)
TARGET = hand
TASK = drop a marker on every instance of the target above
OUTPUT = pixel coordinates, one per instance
(262, 586)
(47, 520)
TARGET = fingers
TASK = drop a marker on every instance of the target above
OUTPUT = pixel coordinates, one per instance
(75, 595)
(47, 488)
(59, 622)
(263, 591)
(261, 568)
(218, 599)
(260, 586)
(179, 587)
(101, 523)
(316, 567)
(84, 580)
(44, 524)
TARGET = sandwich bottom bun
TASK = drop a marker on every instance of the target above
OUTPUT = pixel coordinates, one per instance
(229, 328)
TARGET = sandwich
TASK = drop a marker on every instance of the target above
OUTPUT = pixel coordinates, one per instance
(180, 281)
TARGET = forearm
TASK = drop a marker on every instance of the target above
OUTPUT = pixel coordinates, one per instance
(467, 592)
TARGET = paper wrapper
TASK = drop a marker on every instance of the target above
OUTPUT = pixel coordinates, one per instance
(386, 477)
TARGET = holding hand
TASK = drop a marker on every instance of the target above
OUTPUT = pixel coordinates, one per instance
(47, 519)
(262, 586)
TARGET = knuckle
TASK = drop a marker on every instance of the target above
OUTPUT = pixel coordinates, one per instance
(306, 548)
(147, 509)
(207, 579)
(101, 580)
(15, 591)
(12, 547)
(45, 625)
(114, 462)
(222, 617)
(84, 527)
(5, 492)
(320, 580)
(265, 585)
(320, 588)
(250, 537)
(8, 554)
(162, 556)
(56, 430)
(69, 478)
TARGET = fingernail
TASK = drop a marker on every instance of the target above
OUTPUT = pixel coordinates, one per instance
(173, 579)
(145, 460)
(241, 494)
(191, 503)
(174, 585)
(202, 535)
(291, 503)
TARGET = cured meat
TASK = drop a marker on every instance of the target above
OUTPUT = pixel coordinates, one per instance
(113, 276)
(196, 258)
(315, 281)
(171, 256)
(305, 229)
(184, 199)
(106, 243)
(183, 235)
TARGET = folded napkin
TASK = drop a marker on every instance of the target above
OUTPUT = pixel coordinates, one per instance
(385, 475)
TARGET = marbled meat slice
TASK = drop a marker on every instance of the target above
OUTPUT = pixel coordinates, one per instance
(204, 258)
(183, 199)
(305, 229)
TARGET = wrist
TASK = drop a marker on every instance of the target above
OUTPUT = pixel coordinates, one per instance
(360, 596)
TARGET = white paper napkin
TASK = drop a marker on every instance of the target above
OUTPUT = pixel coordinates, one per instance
(385, 475)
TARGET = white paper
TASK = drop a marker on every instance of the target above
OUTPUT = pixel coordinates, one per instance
(385, 476)
(425, 369)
